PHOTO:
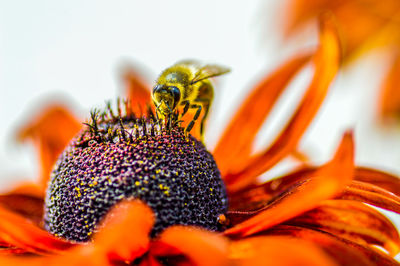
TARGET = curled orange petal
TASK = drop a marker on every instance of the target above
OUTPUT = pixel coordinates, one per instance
(325, 183)
(353, 221)
(343, 251)
(277, 251)
(238, 137)
(368, 193)
(50, 132)
(327, 60)
(378, 178)
(136, 90)
(200, 246)
(256, 196)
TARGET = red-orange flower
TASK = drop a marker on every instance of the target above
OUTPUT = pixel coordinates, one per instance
(364, 25)
(313, 216)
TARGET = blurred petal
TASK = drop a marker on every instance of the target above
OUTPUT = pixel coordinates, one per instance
(373, 195)
(301, 157)
(134, 219)
(354, 221)
(389, 104)
(136, 90)
(50, 132)
(200, 246)
(378, 178)
(301, 11)
(325, 183)
(375, 24)
(28, 188)
(20, 232)
(327, 60)
(343, 251)
(149, 261)
(123, 236)
(235, 144)
(277, 250)
(28, 206)
(11, 250)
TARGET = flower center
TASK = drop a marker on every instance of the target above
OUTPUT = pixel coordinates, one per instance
(117, 158)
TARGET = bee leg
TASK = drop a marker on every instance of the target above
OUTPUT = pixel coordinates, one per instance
(196, 116)
(205, 102)
(158, 110)
(169, 108)
(186, 108)
(206, 109)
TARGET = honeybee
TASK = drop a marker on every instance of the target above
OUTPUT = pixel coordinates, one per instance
(186, 84)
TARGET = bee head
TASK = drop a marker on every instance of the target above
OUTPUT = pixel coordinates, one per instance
(166, 97)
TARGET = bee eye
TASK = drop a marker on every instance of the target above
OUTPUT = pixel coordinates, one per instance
(176, 93)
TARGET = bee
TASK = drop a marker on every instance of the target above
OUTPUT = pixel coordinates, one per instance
(186, 84)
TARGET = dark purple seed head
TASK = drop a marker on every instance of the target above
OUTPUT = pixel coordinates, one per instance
(123, 157)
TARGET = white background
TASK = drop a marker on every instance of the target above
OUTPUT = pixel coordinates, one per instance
(70, 51)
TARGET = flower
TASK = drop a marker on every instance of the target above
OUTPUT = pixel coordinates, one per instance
(364, 25)
(313, 216)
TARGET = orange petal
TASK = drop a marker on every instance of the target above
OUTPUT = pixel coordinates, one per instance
(345, 252)
(239, 135)
(10, 250)
(28, 206)
(354, 221)
(373, 195)
(200, 246)
(300, 156)
(124, 234)
(20, 232)
(50, 132)
(277, 251)
(137, 91)
(28, 188)
(376, 22)
(326, 61)
(378, 178)
(151, 261)
(389, 104)
(256, 196)
(325, 183)
(301, 11)
(375, 25)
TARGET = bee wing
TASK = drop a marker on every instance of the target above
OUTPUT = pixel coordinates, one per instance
(209, 71)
